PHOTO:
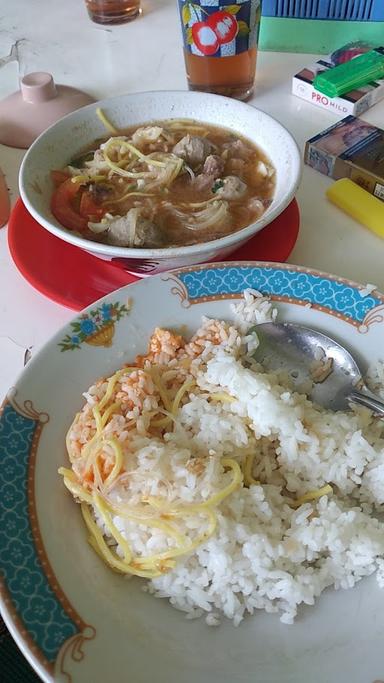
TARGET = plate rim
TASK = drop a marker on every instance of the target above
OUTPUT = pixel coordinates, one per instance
(9, 613)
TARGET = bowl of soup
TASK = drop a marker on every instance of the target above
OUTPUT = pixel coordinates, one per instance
(159, 180)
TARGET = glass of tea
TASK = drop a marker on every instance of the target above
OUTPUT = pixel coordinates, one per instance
(220, 45)
(113, 11)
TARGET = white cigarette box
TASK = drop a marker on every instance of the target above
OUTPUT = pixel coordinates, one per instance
(354, 102)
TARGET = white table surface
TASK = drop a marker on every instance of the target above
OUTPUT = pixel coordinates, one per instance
(147, 55)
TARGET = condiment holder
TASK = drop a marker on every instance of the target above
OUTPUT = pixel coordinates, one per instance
(36, 106)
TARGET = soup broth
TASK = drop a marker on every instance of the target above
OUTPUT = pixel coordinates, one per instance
(168, 183)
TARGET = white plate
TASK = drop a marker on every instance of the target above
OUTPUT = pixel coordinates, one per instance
(74, 619)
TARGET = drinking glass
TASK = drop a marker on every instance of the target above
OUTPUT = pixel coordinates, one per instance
(220, 45)
(113, 11)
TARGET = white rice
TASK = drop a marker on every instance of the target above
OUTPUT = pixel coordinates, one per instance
(367, 290)
(265, 553)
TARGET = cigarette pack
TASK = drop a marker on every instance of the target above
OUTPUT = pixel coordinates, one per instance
(351, 148)
(354, 102)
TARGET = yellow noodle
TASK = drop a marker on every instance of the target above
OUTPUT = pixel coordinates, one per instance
(80, 179)
(99, 179)
(114, 444)
(122, 171)
(176, 172)
(112, 382)
(99, 503)
(188, 547)
(179, 395)
(73, 486)
(185, 363)
(92, 455)
(181, 123)
(156, 564)
(97, 477)
(97, 416)
(314, 495)
(237, 481)
(248, 478)
(210, 502)
(222, 396)
(128, 194)
(91, 450)
(163, 421)
(141, 156)
(106, 552)
(148, 521)
(109, 412)
(106, 122)
(161, 389)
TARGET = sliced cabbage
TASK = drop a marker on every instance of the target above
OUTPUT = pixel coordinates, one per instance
(146, 135)
(215, 214)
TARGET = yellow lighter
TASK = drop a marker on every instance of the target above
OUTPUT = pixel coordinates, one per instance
(359, 204)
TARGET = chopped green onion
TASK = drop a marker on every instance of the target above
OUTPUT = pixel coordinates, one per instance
(217, 185)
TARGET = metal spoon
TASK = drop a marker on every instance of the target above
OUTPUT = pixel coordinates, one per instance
(332, 376)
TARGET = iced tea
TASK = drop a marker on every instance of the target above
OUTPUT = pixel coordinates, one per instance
(220, 46)
(113, 11)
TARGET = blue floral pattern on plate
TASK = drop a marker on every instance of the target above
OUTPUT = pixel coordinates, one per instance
(96, 327)
(283, 282)
(31, 595)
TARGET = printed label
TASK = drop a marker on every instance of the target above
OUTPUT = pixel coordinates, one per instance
(319, 160)
(219, 28)
(379, 191)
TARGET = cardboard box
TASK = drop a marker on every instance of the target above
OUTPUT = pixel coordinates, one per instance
(354, 102)
(353, 149)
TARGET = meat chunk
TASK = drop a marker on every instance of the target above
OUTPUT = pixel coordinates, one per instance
(133, 233)
(235, 165)
(213, 166)
(232, 187)
(257, 207)
(100, 192)
(212, 169)
(203, 184)
(238, 149)
(193, 150)
(132, 230)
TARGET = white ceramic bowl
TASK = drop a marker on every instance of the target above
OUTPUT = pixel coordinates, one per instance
(62, 141)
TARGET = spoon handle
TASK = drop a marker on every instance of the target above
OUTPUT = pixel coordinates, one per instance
(367, 400)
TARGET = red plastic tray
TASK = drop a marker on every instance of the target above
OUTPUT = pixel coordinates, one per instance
(74, 278)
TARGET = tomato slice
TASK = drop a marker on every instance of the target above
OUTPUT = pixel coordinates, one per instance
(59, 177)
(62, 206)
(89, 208)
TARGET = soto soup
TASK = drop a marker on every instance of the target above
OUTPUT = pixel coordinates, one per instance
(166, 184)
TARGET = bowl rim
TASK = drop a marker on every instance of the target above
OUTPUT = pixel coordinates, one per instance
(112, 251)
